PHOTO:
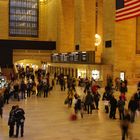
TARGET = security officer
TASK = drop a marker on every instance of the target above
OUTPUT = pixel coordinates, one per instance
(20, 118)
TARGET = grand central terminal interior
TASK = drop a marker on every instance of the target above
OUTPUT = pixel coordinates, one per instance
(69, 44)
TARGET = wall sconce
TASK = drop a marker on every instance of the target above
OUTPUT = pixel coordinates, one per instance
(97, 40)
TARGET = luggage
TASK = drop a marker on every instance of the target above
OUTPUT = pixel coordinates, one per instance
(73, 117)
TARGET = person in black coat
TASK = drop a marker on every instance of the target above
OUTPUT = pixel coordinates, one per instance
(132, 106)
(96, 99)
(89, 102)
(121, 104)
(1, 105)
(123, 87)
(11, 121)
(23, 89)
(106, 99)
(20, 118)
(125, 124)
(113, 106)
(16, 91)
(137, 98)
(46, 89)
(29, 88)
(6, 95)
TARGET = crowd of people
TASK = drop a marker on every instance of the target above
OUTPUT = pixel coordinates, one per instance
(87, 101)
(19, 88)
(90, 98)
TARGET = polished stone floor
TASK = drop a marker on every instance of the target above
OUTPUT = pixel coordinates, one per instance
(48, 119)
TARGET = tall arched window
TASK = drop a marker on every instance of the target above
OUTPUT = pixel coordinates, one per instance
(23, 18)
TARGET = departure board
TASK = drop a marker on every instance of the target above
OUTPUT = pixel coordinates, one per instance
(76, 57)
(23, 18)
(86, 57)
(55, 58)
(83, 56)
(71, 57)
(61, 57)
(66, 57)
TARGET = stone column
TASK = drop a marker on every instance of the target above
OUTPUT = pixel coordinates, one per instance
(109, 30)
(87, 24)
(65, 36)
(43, 20)
(125, 48)
(99, 30)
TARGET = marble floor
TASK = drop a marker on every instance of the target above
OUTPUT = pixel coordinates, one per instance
(48, 119)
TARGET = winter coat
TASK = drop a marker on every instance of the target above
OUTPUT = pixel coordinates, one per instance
(132, 105)
(88, 99)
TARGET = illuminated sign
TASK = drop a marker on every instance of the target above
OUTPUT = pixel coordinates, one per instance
(95, 74)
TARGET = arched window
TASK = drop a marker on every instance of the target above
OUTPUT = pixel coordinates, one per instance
(23, 18)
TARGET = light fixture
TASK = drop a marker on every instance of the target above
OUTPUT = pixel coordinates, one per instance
(97, 39)
(43, 1)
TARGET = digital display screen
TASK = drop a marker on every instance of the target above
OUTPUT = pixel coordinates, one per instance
(71, 58)
(66, 58)
(76, 57)
(61, 57)
(84, 57)
(55, 58)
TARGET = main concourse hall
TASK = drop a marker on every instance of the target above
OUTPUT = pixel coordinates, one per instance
(85, 53)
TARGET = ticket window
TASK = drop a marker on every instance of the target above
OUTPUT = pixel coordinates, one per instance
(122, 75)
(95, 74)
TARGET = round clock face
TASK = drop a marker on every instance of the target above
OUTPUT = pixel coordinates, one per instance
(97, 40)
